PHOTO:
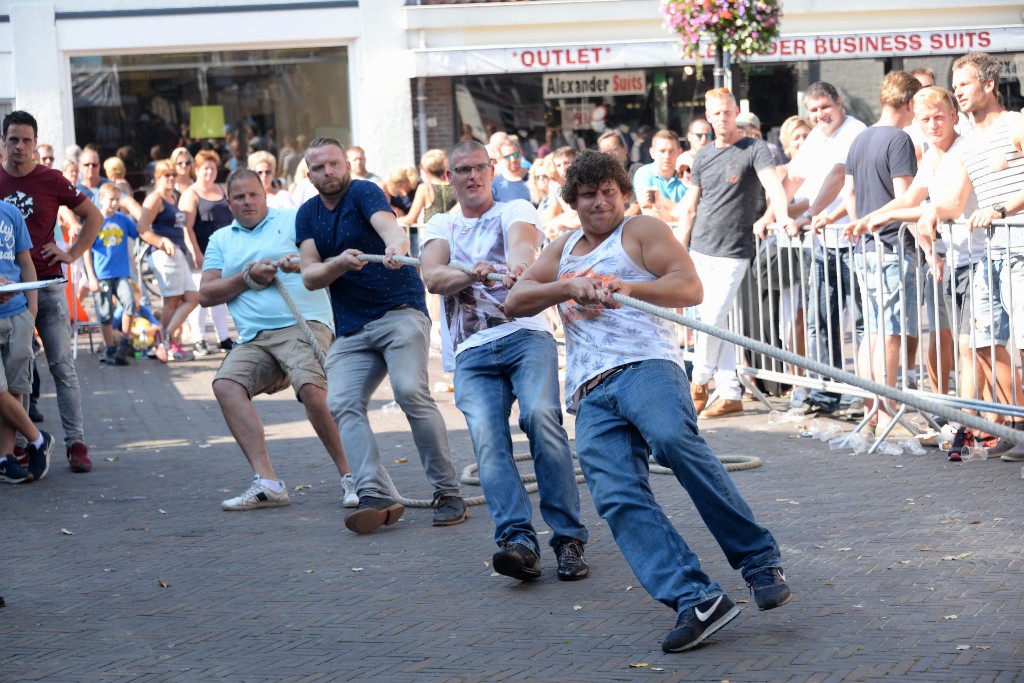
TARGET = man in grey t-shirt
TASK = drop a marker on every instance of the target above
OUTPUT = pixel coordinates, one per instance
(717, 226)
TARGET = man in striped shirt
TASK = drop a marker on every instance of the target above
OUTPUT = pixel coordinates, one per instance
(992, 164)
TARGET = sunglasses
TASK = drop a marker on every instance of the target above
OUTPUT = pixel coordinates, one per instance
(510, 157)
(706, 136)
(466, 170)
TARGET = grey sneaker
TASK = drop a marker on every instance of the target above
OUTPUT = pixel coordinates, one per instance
(449, 510)
(348, 487)
(257, 496)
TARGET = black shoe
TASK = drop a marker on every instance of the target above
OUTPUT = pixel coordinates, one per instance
(373, 513)
(39, 458)
(963, 437)
(33, 412)
(517, 561)
(226, 345)
(769, 588)
(572, 566)
(449, 510)
(698, 622)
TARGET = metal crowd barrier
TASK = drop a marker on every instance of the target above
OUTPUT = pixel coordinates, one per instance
(814, 294)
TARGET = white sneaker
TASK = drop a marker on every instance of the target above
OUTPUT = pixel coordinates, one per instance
(257, 496)
(348, 487)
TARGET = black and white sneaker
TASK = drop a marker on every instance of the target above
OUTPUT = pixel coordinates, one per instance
(698, 622)
(257, 496)
(11, 471)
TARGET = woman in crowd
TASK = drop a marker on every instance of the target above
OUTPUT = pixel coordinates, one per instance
(116, 171)
(539, 182)
(301, 188)
(205, 206)
(184, 168)
(434, 195)
(400, 186)
(264, 165)
(164, 227)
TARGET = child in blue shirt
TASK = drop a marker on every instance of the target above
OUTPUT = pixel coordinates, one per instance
(108, 265)
(17, 318)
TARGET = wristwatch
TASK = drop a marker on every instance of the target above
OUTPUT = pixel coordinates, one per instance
(807, 215)
(1000, 209)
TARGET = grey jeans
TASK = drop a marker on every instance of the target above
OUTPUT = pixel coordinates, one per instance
(395, 345)
(54, 325)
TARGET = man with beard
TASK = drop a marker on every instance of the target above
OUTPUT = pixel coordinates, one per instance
(382, 328)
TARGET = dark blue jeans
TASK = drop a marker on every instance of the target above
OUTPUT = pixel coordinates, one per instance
(647, 408)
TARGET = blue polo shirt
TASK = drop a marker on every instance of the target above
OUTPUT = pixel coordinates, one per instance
(648, 176)
(13, 239)
(359, 296)
(233, 246)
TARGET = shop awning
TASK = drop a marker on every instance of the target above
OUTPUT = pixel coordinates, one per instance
(655, 53)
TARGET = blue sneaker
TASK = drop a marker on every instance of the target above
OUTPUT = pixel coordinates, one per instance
(12, 472)
(39, 458)
(769, 588)
(698, 622)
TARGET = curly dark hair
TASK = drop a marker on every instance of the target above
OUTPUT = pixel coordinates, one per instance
(594, 168)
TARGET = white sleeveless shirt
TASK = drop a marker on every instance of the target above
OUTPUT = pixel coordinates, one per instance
(599, 338)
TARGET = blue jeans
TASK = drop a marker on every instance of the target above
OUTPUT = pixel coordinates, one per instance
(647, 408)
(395, 345)
(835, 287)
(53, 323)
(488, 379)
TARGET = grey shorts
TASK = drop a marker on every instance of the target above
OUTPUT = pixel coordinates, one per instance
(273, 359)
(103, 300)
(16, 353)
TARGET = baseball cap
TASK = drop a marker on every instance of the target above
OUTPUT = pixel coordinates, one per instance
(748, 119)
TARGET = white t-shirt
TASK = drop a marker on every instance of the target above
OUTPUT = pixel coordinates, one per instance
(476, 315)
(960, 246)
(816, 157)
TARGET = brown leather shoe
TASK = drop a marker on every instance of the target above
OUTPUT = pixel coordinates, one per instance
(699, 394)
(722, 407)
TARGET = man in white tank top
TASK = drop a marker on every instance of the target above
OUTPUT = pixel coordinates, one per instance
(497, 360)
(625, 382)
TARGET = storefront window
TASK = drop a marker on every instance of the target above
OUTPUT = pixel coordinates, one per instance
(257, 96)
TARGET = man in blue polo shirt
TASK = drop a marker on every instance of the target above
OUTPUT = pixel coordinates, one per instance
(272, 351)
(657, 187)
(380, 315)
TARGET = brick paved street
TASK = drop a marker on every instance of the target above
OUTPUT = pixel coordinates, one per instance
(903, 568)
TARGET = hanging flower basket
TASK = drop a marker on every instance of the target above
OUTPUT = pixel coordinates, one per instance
(739, 27)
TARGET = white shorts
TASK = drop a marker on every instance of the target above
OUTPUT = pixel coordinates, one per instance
(173, 273)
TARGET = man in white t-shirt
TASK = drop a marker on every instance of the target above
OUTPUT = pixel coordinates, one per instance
(817, 173)
(497, 360)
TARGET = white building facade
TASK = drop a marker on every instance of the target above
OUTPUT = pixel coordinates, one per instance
(395, 76)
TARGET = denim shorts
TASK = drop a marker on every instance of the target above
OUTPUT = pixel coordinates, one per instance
(889, 283)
